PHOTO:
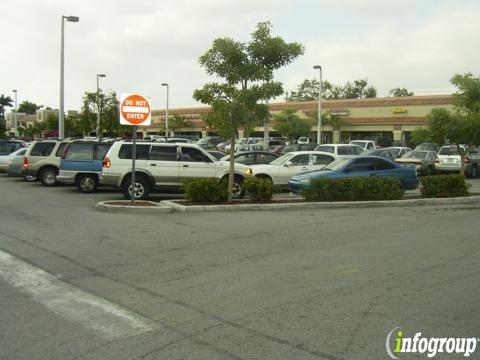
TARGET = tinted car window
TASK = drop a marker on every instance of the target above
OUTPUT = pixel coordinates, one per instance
(362, 165)
(101, 151)
(383, 165)
(60, 149)
(141, 152)
(247, 159)
(42, 149)
(193, 155)
(322, 159)
(299, 160)
(329, 149)
(8, 147)
(346, 150)
(163, 153)
(263, 158)
(79, 152)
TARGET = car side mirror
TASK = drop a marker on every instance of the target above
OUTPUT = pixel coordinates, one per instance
(288, 164)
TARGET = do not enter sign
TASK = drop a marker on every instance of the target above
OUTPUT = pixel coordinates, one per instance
(134, 110)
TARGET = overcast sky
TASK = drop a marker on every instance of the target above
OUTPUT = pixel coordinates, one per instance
(418, 44)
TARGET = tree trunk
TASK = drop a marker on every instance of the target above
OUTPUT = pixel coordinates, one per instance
(231, 171)
(462, 160)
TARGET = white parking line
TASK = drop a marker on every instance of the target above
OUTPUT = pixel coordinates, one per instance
(109, 320)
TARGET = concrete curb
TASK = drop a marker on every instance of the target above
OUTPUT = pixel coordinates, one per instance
(155, 209)
(322, 205)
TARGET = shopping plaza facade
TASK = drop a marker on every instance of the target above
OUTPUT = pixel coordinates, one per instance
(392, 117)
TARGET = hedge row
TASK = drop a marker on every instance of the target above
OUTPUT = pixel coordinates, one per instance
(354, 189)
(444, 186)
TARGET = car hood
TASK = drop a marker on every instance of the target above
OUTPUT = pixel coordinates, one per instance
(312, 174)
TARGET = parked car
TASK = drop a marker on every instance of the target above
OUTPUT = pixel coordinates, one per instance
(398, 151)
(357, 166)
(43, 160)
(210, 142)
(449, 160)
(296, 147)
(428, 147)
(340, 149)
(281, 170)
(382, 152)
(162, 166)
(303, 140)
(81, 165)
(216, 154)
(6, 158)
(253, 157)
(423, 161)
(8, 147)
(245, 144)
(15, 165)
(364, 144)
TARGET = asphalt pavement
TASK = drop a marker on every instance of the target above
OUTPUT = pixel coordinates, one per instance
(304, 284)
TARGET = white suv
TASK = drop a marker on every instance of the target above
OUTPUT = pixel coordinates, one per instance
(163, 165)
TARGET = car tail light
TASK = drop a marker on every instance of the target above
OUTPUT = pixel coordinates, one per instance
(64, 152)
(467, 160)
(107, 163)
(25, 162)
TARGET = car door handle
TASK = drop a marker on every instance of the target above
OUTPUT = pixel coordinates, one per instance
(185, 165)
(304, 168)
(153, 164)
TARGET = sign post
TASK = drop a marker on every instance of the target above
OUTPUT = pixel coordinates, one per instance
(134, 110)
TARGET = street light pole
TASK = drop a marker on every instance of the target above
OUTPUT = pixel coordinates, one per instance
(15, 125)
(319, 124)
(61, 111)
(97, 133)
(166, 111)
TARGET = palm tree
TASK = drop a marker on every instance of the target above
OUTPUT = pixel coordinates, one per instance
(4, 101)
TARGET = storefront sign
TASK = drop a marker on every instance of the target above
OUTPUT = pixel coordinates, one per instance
(399, 110)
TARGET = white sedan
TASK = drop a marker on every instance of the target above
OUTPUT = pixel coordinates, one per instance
(281, 170)
(6, 158)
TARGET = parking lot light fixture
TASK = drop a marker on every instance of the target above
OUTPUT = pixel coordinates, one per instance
(15, 125)
(97, 133)
(319, 123)
(166, 111)
(61, 110)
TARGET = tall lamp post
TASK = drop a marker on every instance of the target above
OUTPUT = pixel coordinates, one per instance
(319, 124)
(61, 111)
(97, 133)
(166, 111)
(15, 125)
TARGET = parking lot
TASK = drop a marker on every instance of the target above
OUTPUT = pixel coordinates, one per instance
(303, 284)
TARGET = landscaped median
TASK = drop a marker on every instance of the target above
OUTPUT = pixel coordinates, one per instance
(202, 196)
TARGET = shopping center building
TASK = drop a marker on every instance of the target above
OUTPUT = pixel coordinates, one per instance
(390, 117)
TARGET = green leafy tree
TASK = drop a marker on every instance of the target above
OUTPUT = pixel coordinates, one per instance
(247, 71)
(3, 129)
(460, 127)
(292, 126)
(28, 107)
(308, 90)
(177, 122)
(397, 92)
(108, 104)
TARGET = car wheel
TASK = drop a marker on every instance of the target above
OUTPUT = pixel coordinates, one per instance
(87, 184)
(30, 178)
(473, 172)
(48, 176)
(238, 192)
(142, 188)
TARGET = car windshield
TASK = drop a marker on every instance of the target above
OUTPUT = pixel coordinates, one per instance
(337, 164)
(282, 159)
(427, 147)
(394, 151)
(415, 155)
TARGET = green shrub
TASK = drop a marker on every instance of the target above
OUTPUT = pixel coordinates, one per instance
(259, 189)
(354, 189)
(205, 190)
(444, 186)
